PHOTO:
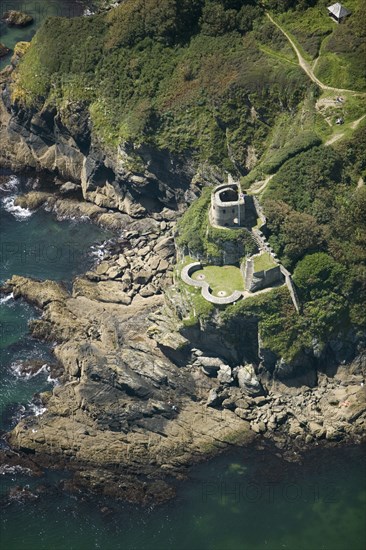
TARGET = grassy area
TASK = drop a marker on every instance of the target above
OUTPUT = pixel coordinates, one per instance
(341, 48)
(263, 262)
(225, 279)
(200, 309)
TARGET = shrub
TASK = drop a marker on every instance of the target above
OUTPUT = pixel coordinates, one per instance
(317, 275)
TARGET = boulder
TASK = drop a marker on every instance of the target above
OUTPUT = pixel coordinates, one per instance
(32, 200)
(69, 187)
(259, 427)
(163, 266)
(14, 18)
(224, 374)
(3, 50)
(165, 248)
(142, 277)
(114, 272)
(213, 399)
(148, 290)
(172, 340)
(248, 381)
(105, 291)
(122, 262)
(316, 430)
(209, 365)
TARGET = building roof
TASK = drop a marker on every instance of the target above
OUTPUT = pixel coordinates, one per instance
(338, 10)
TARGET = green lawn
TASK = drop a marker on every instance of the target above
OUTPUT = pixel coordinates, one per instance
(227, 278)
(263, 262)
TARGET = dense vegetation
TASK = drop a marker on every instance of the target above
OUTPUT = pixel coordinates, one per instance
(316, 210)
(187, 76)
(316, 214)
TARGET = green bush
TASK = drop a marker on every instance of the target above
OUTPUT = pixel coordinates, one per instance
(318, 274)
(148, 74)
(193, 224)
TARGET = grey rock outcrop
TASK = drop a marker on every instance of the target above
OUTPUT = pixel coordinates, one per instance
(248, 380)
(3, 50)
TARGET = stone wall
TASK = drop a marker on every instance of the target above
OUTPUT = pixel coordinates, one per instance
(266, 278)
(291, 288)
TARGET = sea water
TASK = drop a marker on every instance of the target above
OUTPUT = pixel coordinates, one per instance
(33, 244)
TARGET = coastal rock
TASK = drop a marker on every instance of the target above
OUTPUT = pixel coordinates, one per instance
(224, 374)
(39, 293)
(148, 290)
(16, 18)
(258, 427)
(248, 381)
(105, 291)
(165, 248)
(209, 365)
(213, 399)
(3, 50)
(33, 200)
(69, 188)
(142, 277)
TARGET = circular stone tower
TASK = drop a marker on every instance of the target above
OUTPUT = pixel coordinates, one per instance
(228, 206)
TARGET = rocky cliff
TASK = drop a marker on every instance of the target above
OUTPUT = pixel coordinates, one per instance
(132, 179)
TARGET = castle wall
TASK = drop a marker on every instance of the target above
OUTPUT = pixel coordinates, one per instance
(264, 279)
(227, 213)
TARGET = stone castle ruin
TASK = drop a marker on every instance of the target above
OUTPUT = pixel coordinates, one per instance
(228, 206)
(231, 208)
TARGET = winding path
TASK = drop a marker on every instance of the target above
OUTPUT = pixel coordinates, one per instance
(305, 65)
(259, 186)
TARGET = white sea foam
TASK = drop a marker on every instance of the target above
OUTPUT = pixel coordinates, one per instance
(17, 370)
(10, 185)
(98, 250)
(37, 410)
(7, 298)
(19, 213)
(53, 381)
(6, 469)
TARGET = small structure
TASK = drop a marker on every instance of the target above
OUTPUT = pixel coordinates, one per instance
(260, 275)
(222, 299)
(228, 206)
(338, 12)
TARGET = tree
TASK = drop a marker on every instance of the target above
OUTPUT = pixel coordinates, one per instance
(246, 16)
(276, 213)
(301, 234)
(216, 20)
(318, 274)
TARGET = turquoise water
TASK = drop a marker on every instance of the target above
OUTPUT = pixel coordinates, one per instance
(39, 9)
(35, 245)
(38, 245)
